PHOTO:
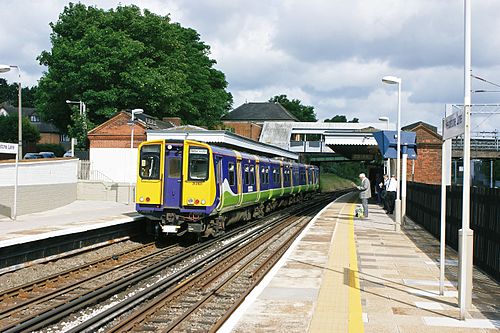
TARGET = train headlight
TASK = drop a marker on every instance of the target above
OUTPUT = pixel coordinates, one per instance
(190, 201)
(203, 202)
(141, 199)
(169, 147)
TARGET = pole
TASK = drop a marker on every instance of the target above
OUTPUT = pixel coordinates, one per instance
(403, 187)
(130, 200)
(398, 164)
(14, 213)
(20, 115)
(465, 278)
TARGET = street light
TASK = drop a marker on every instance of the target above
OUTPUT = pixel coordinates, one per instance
(388, 166)
(5, 69)
(397, 80)
(134, 112)
(82, 108)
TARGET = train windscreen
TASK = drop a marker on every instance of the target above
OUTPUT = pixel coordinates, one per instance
(198, 163)
(150, 162)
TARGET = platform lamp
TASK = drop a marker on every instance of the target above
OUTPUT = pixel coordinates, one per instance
(397, 80)
(5, 69)
(132, 123)
(82, 108)
(388, 166)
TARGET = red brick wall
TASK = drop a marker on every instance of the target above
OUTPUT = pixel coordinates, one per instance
(115, 133)
(49, 138)
(250, 130)
(428, 162)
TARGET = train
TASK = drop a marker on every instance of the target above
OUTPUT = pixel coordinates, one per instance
(186, 186)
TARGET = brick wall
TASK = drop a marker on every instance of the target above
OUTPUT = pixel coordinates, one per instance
(428, 162)
(49, 138)
(247, 129)
(115, 133)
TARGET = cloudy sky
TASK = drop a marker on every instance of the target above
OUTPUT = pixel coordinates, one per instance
(330, 54)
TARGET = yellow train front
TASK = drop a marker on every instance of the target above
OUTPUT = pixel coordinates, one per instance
(189, 186)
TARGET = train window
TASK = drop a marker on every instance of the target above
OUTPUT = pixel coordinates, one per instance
(252, 175)
(198, 163)
(263, 176)
(174, 167)
(150, 162)
(247, 175)
(275, 179)
(267, 175)
(232, 174)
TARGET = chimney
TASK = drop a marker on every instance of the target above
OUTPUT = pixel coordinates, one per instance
(174, 120)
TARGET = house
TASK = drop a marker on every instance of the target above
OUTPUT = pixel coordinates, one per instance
(247, 119)
(49, 133)
(110, 153)
(427, 166)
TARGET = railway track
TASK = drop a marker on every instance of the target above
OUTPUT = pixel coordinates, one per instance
(140, 281)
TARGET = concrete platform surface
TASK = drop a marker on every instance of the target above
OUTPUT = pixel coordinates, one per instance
(359, 275)
(81, 215)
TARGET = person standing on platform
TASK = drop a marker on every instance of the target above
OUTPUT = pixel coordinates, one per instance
(365, 192)
(391, 188)
(382, 190)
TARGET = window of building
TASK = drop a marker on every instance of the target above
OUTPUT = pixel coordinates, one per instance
(34, 118)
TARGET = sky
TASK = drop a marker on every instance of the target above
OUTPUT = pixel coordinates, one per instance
(330, 54)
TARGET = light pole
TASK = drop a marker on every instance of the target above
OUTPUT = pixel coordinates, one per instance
(82, 108)
(388, 166)
(5, 69)
(397, 80)
(134, 112)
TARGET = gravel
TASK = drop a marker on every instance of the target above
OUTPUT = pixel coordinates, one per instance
(38, 271)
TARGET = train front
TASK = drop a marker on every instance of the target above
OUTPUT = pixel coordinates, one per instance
(175, 185)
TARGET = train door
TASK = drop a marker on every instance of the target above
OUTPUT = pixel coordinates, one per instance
(173, 182)
(282, 179)
(257, 178)
(240, 180)
(219, 180)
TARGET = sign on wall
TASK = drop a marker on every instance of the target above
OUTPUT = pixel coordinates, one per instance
(8, 148)
(454, 125)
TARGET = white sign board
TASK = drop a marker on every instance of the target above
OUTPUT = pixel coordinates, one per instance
(8, 148)
(453, 125)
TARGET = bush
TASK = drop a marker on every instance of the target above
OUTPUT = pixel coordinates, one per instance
(58, 150)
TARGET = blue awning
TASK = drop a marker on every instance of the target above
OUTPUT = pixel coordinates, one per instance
(387, 143)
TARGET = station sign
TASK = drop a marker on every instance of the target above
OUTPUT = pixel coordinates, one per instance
(8, 148)
(454, 125)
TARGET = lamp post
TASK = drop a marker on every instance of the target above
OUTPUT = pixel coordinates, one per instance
(5, 69)
(397, 80)
(388, 166)
(83, 109)
(134, 112)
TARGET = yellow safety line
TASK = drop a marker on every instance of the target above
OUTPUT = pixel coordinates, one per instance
(355, 313)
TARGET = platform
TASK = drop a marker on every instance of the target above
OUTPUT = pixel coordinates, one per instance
(81, 215)
(359, 275)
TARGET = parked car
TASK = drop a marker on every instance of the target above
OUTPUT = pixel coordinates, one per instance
(32, 156)
(69, 153)
(47, 154)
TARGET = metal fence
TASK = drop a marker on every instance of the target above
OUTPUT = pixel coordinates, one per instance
(85, 172)
(424, 207)
(484, 141)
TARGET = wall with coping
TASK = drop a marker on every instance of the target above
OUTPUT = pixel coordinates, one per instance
(43, 184)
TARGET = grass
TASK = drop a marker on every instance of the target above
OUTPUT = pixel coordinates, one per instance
(332, 182)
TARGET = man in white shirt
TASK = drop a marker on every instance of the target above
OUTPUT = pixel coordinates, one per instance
(391, 188)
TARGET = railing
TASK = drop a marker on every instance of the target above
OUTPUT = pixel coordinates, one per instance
(486, 141)
(423, 207)
(85, 172)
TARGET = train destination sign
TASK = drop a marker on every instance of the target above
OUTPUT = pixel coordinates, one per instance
(8, 148)
(453, 125)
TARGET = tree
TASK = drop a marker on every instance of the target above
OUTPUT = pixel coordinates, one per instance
(302, 112)
(122, 59)
(9, 128)
(341, 119)
(9, 94)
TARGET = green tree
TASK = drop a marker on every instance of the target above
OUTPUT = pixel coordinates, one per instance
(9, 128)
(302, 112)
(122, 59)
(9, 94)
(340, 118)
